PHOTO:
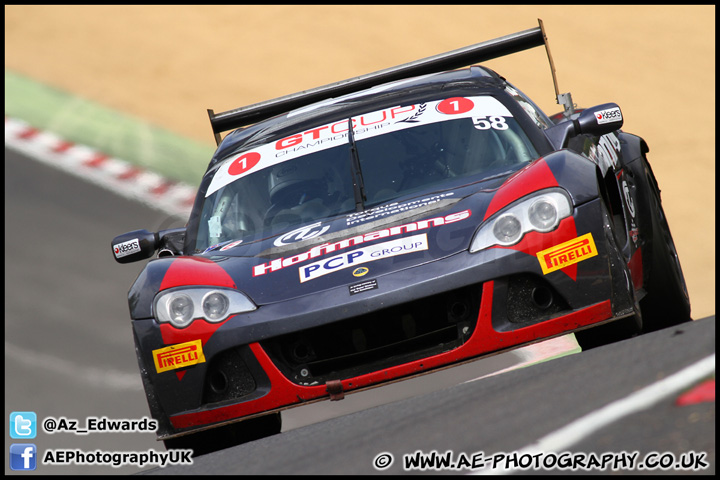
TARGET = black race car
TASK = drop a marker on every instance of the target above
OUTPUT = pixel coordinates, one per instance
(388, 225)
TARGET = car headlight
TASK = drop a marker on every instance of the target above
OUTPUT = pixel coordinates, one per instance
(180, 306)
(539, 212)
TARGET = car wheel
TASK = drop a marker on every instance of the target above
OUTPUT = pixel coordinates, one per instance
(219, 438)
(667, 301)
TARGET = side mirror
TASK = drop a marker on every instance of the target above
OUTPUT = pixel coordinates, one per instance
(134, 246)
(599, 120)
(141, 244)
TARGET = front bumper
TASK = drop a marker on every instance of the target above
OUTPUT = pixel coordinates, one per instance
(245, 372)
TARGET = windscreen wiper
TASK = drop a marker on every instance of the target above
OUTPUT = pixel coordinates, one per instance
(358, 183)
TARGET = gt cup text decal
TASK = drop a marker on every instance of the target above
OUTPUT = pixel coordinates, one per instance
(568, 253)
(401, 246)
(178, 356)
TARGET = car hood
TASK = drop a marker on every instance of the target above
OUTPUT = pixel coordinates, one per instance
(356, 248)
(359, 247)
(353, 249)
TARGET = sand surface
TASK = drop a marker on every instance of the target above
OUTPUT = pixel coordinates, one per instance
(168, 65)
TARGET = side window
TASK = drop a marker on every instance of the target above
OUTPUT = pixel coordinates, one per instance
(535, 114)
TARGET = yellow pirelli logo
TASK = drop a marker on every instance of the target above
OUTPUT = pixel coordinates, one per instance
(178, 356)
(568, 253)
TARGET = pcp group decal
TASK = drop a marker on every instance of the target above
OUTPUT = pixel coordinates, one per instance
(401, 246)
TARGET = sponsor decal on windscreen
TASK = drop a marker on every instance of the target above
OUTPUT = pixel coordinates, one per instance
(486, 111)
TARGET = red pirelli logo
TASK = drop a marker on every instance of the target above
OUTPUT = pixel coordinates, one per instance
(178, 356)
(568, 253)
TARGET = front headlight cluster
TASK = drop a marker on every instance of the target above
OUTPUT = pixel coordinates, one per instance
(180, 306)
(540, 212)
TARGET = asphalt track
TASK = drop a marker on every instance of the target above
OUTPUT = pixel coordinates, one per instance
(69, 353)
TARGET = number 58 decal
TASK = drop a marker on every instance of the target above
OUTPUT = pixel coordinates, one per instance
(486, 123)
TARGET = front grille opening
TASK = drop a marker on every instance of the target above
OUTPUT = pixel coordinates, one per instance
(377, 340)
(531, 299)
(227, 378)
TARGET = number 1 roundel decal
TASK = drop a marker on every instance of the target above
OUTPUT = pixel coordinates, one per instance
(244, 163)
(455, 105)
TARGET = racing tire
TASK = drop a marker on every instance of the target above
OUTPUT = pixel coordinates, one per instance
(667, 302)
(227, 436)
(609, 333)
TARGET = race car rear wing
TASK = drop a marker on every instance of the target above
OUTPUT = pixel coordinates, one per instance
(513, 43)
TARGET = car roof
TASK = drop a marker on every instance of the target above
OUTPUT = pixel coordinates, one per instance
(478, 78)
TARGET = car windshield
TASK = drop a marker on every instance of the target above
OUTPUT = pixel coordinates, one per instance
(391, 153)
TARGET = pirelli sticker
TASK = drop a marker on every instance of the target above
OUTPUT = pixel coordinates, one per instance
(568, 253)
(178, 356)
